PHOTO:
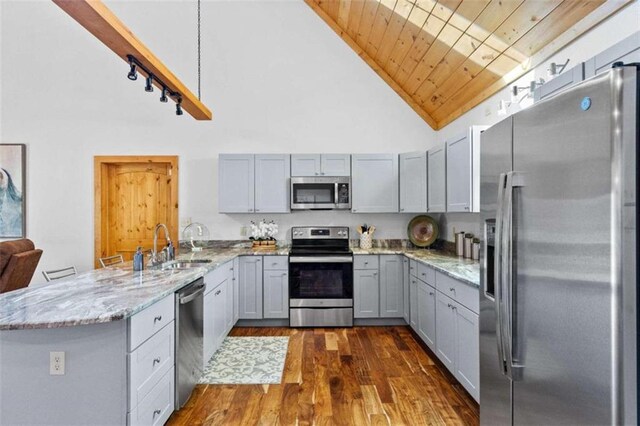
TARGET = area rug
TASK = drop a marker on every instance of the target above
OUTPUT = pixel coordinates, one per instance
(247, 360)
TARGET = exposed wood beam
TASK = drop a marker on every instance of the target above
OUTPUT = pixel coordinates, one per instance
(106, 27)
(372, 63)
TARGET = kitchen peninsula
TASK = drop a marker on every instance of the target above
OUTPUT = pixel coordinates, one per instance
(113, 324)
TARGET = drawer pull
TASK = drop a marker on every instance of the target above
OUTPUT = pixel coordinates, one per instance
(156, 361)
(452, 289)
(274, 264)
(284, 273)
(158, 318)
(218, 292)
(430, 293)
(156, 412)
(448, 305)
(423, 274)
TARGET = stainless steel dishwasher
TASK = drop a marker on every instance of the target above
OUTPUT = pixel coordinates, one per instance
(189, 308)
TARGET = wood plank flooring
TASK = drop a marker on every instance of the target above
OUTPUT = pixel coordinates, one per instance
(347, 376)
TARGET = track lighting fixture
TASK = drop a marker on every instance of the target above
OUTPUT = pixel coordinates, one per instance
(179, 106)
(133, 74)
(151, 78)
(149, 86)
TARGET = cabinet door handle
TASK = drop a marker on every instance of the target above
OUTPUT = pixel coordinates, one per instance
(454, 307)
(158, 318)
(156, 412)
(424, 274)
(156, 361)
(430, 293)
(466, 208)
(218, 292)
(284, 273)
(375, 273)
(322, 173)
(452, 289)
(257, 210)
(317, 173)
(448, 305)
(249, 210)
(401, 210)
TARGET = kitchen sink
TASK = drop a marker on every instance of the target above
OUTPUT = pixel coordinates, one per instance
(185, 264)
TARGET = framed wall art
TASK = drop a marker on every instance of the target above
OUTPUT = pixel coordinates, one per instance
(12, 190)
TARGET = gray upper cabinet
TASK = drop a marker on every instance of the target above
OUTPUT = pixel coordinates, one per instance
(463, 171)
(413, 182)
(628, 50)
(272, 172)
(560, 82)
(391, 287)
(236, 183)
(436, 180)
(366, 294)
(250, 291)
(320, 165)
(250, 183)
(335, 165)
(305, 165)
(374, 181)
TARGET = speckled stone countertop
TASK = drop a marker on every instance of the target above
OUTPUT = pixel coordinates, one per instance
(115, 293)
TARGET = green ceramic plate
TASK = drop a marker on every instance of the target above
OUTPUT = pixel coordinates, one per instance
(422, 231)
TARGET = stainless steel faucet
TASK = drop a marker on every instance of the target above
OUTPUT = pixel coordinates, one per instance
(155, 259)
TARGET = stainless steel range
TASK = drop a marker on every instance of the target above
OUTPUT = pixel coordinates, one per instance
(320, 277)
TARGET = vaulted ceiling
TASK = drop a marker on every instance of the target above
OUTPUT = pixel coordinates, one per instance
(444, 57)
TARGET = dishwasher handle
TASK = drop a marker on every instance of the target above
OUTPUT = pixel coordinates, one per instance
(186, 298)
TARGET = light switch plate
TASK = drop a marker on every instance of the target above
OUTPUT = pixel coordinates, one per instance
(56, 363)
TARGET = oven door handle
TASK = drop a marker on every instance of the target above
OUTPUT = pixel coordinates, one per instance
(320, 259)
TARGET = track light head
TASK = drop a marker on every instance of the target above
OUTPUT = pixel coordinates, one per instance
(149, 86)
(133, 73)
(163, 97)
(179, 107)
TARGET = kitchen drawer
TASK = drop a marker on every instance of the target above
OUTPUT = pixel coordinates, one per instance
(214, 278)
(157, 407)
(146, 323)
(365, 262)
(275, 263)
(427, 274)
(150, 362)
(462, 293)
(413, 268)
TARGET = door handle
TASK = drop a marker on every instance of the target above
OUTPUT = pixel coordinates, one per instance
(513, 180)
(497, 269)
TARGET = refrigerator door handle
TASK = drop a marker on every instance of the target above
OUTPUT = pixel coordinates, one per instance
(513, 369)
(497, 271)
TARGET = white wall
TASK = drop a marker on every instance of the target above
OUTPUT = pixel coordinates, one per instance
(276, 77)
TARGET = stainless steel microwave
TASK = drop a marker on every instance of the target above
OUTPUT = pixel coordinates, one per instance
(321, 193)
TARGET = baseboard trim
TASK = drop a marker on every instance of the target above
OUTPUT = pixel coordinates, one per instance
(375, 322)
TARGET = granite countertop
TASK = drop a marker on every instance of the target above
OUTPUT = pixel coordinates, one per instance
(115, 293)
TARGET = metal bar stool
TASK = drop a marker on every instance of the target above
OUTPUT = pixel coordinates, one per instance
(56, 274)
(111, 260)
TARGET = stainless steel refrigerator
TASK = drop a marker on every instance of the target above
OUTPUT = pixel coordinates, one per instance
(558, 301)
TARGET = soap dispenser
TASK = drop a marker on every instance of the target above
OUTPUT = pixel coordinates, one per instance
(138, 260)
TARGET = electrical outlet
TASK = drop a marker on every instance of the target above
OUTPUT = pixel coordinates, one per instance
(56, 363)
(244, 231)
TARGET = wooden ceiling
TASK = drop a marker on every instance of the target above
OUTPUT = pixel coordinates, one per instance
(444, 57)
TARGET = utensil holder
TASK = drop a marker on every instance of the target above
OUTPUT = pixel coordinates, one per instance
(366, 241)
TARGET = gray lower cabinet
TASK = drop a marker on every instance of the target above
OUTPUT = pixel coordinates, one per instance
(467, 360)
(413, 182)
(437, 180)
(250, 291)
(405, 290)
(391, 286)
(426, 313)
(236, 180)
(229, 310)
(445, 331)
(374, 181)
(366, 293)
(236, 290)
(276, 294)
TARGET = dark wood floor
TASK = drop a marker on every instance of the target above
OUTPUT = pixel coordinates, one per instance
(351, 376)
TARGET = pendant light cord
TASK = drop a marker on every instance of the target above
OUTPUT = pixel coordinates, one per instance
(199, 75)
